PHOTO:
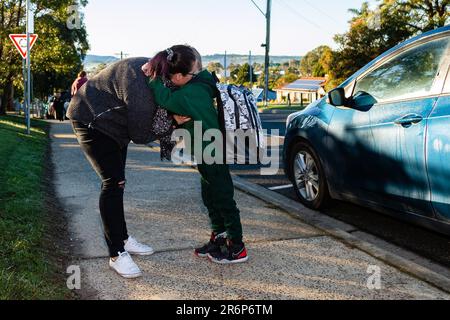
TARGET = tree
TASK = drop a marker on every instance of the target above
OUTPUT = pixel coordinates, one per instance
(216, 67)
(98, 69)
(427, 14)
(257, 67)
(274, 76)
(373, 32)
(294, 67)
(57, 55)
(241, 75)
(294, 64)
(233, 67)
(11, 17)
(310, 64)
(286, 79)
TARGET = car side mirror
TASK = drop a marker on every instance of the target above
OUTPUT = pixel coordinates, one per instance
(336, 97)
(362, 101)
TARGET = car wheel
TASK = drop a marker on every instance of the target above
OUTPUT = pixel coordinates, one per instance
(308, 177)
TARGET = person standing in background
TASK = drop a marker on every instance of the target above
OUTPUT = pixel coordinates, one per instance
(79, 82)
(58, 107)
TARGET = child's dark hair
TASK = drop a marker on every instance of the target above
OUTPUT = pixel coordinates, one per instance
(176, 59)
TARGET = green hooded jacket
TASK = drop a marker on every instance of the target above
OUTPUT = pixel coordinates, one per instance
(195, 99)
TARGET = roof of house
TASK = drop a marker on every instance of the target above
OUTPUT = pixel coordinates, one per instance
(259, 92)
(309, 84)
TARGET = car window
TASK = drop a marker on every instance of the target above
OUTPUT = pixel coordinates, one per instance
(409, 75)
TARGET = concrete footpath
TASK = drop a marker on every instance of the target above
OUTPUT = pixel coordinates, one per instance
(288, 258)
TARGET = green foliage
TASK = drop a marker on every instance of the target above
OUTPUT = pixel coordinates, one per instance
(241, 75)
(310, 65)
(98, 69)
(258, 67)
(57, 55)
(286, 79)
(215, 67)
(426, 14)
(373, 32)
(274, 76)
(26, 272)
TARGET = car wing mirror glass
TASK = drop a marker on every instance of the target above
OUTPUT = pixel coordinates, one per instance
(362, 101)
(336, 97)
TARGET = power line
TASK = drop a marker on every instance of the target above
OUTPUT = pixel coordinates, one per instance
(263, 13)
(294, 11)
(320, 10)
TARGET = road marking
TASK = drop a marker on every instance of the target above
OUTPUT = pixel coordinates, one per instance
(271, 136)
(274, 136)
(281, 187)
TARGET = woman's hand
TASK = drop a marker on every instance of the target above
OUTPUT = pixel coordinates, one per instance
(146, 68)
(181, 119)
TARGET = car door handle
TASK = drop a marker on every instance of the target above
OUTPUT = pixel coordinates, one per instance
(408, 120)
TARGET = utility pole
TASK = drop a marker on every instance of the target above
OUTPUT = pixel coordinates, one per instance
(267, 46)
(267, 15)
(28, 64)
(225, 66)
(122, 54)
(251, 69)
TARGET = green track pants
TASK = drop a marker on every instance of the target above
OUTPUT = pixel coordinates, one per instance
(218, 197)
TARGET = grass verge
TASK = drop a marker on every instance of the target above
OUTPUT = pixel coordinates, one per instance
(30, 256)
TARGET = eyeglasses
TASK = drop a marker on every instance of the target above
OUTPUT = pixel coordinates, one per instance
(193, 74)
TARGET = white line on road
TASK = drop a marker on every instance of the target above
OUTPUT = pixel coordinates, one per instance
(281, 187)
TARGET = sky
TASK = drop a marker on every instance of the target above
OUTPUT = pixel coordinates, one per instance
(144, 27)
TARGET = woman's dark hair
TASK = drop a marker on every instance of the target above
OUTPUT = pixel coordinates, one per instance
(176, 59)
(82, 74)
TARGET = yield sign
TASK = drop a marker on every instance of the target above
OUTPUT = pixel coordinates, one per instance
(20, 41)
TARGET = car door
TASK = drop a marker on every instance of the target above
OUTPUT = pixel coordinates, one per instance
(347, 143)
(438, 153)
(406, 86)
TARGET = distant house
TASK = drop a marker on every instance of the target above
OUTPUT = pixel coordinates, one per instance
(258, 93)
(304, 90)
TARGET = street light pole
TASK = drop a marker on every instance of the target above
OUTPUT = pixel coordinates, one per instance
(28, 8)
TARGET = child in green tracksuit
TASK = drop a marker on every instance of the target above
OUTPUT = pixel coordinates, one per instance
(195, 99)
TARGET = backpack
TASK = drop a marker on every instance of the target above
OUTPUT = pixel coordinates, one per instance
(238, 116)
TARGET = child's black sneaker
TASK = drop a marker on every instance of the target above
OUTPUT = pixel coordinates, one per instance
(214, 245)
(233, 253)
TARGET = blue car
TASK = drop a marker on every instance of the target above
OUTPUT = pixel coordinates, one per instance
(382, 138)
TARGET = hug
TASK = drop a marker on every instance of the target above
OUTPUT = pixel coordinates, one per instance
(142, 101)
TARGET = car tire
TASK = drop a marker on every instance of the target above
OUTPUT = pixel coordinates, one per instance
(308, 176)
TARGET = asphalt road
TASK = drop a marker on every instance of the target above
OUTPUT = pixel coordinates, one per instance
(428, 244)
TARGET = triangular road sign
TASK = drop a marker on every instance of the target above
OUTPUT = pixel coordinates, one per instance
(20, 42)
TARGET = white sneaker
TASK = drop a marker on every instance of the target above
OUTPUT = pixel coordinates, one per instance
(134, 247)
(125, 266)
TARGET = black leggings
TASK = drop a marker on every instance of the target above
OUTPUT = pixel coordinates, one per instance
(108, 160)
